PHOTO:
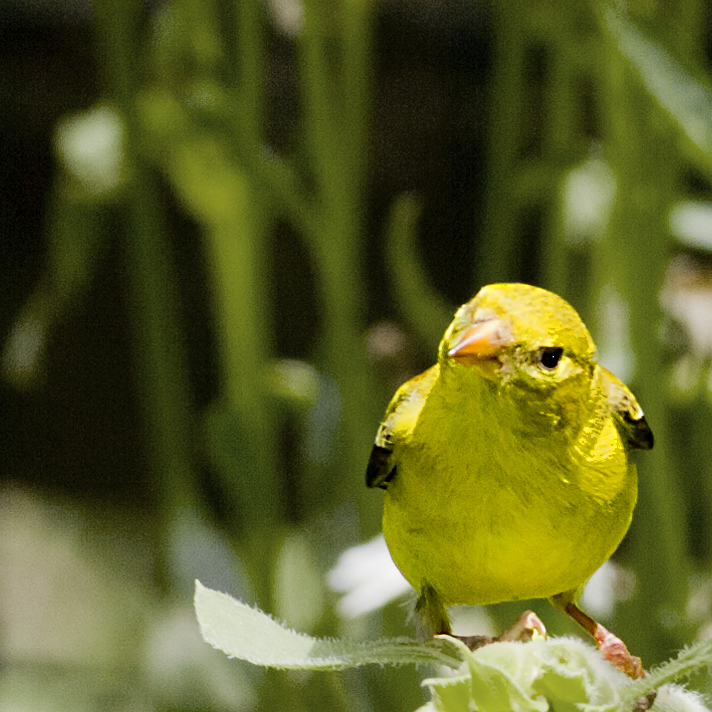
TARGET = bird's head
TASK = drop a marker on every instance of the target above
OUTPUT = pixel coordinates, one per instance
(520, 335)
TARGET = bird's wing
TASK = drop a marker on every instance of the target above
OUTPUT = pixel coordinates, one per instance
(627, 414)
(400, 419)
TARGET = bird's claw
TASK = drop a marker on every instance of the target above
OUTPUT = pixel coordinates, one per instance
(525, 629)
(613, 649)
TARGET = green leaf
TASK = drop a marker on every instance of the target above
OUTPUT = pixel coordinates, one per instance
(558, 673)
(450, 694)
(248, 634)
(564, 674)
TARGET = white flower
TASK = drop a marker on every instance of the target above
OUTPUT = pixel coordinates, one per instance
(368, 577)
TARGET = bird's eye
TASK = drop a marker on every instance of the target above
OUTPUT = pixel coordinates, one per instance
(550, 357)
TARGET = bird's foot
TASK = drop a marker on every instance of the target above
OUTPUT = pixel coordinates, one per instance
(613, 649)
(525, 629)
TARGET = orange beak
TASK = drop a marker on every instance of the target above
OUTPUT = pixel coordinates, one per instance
(482, 342)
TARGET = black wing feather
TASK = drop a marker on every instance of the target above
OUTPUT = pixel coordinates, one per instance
(629, 417)
(379, 471)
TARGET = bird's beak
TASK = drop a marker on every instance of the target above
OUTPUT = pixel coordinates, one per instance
(482, 343)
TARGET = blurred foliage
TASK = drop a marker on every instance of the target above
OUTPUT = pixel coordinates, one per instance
(598, 133)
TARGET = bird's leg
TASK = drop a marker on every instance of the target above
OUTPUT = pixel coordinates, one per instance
(612, 648)
(431, 611)
(435, 621)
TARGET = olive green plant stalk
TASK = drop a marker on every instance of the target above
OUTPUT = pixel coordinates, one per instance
(160, 357)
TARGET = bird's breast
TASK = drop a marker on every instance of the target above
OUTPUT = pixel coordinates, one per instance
(484, 517)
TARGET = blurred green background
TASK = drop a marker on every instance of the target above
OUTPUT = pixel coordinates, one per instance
(231, 230)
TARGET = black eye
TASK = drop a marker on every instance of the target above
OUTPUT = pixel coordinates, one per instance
(550, 357)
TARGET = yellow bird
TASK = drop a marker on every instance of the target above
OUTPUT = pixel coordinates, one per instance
(506, 465)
